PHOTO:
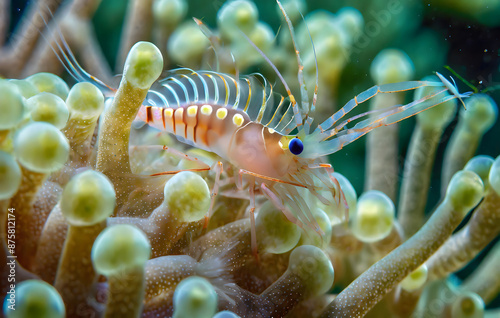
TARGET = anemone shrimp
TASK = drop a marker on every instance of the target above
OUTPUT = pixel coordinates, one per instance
(268, 138)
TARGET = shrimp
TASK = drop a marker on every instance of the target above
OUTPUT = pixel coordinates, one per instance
(266, 136)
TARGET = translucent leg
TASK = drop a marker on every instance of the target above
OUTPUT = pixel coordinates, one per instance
(338, 195)
(278, 204)
(253, 234)
(180, 154)
(215, 190)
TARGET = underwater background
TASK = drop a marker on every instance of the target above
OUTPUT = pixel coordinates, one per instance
(349, 37)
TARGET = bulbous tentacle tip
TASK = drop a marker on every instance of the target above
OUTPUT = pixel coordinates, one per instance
(12, 105)
(374, 217)
(226, 314)
(143, 65)
(275, 234)
(168, 13)
(391, 66)
(195, 297)
(119, 248)
(313, 267)
(480, 112)
(481, 165)
(187, 196)
(34, 298)
(468, 305)
(494, 176)
(41, 147)
(88, 198)
(48, 108)
(10, 175)
(465, 190)
(85, 101)
(237, 16)
(415, 279)
(50, 83)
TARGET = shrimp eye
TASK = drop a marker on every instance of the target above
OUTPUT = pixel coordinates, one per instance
(296, 146)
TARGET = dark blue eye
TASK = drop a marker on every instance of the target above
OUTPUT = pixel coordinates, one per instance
(296, 146)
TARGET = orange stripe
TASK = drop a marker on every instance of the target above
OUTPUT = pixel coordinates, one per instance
(184, 114)
(149, 114)
(163, 117)
(196, 124)
(173, 120)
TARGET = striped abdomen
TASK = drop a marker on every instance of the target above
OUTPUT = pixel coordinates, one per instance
(205, 126)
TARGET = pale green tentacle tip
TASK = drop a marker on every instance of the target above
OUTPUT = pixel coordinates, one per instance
(237, 16)
(10, 175)
(85, 101)
(439, 116)
(351, 20)
(480, 112)
(468, 305)
(226, 314)
(374, 217)
(41, 147)
(481, 165)
(47, 82)
(33, 298)
(187, 196)
(262, 36)
(194, 297)
(48, 108)
(494, 176)
(391, 66)
(26, 88)
(88, 198)
(143, 65)
(465, 190)
(314, 237)
(415, 279)
(187, 44)
(313, 267)
(276, 234)
(119, 248)
(12, 105)
(169, 13)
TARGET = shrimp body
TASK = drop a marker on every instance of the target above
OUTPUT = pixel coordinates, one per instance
(215, 119)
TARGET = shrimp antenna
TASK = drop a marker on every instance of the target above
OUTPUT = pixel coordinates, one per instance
(289, 92)
(68, 59)
(215, 42)
(303, 89)
(309, 119)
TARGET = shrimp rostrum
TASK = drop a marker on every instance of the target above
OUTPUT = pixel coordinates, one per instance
(267, 137)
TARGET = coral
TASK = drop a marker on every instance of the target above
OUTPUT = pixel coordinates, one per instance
(103, 216)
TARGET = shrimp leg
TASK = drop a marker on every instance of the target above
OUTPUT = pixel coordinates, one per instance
(261, 176)
(341, 197)
(253, 233)
(215, 190)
